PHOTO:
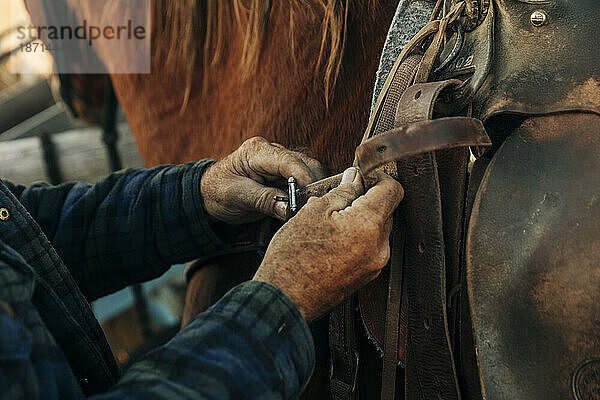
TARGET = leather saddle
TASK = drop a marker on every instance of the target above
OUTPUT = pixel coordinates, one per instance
(492, 289)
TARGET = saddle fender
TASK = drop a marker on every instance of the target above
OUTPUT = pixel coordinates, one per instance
(533, 262)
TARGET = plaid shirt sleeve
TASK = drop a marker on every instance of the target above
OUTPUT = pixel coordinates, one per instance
(127, 228)
(252, 344)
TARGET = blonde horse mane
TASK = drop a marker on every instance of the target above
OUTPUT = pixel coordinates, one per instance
(197, 32)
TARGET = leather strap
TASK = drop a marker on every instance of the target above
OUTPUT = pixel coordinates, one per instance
(418, 103)
(394, 299)
(343, 348)
(433, 50)
(420, 137)
(430, 368)
(344, 352)
(405, 142)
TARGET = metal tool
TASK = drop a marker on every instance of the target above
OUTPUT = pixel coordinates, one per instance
(291, 199)
(292, 186)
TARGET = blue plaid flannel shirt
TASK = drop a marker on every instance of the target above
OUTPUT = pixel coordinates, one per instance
(63, 246)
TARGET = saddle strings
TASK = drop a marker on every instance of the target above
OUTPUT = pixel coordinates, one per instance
(432, 28)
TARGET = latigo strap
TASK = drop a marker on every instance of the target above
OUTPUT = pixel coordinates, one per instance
(402, 143)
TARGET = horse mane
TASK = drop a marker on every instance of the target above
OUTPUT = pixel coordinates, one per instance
(197, 32)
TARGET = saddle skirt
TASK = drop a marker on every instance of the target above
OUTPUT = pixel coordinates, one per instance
(533, 263)
(506, 307)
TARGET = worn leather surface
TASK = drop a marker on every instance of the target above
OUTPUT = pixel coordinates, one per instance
(534, 70)
(452, 172)
(470, 382)
(392, 338)
(419, 137)
(404, 142)
(419, 101)
(430, 370)
(533, 262)
(343, 348)
(474, 60)
(553, 68)
(424, 265)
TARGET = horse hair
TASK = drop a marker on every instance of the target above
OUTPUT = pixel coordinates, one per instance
(198, 32)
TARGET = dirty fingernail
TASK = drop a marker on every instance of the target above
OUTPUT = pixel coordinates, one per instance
(348, 176)
(281, 210)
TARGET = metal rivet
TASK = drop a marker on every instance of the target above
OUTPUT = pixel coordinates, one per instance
(4, 214)
(85, 381)
(538, 18)
(421, 248)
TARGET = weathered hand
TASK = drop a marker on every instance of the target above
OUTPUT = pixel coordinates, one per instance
(334, 245)
(233, 188)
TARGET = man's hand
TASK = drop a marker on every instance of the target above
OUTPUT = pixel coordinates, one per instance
(233, 189)
(334, 245)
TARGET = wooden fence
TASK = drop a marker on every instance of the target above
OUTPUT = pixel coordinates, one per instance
(78, 154)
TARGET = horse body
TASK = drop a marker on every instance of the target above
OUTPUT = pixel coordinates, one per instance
(307, 83)
(283, 100)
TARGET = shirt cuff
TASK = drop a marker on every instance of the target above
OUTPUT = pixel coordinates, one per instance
(223, 238)
(193, 207)
(272, 321)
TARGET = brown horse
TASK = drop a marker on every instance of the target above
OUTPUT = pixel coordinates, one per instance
(299, 73)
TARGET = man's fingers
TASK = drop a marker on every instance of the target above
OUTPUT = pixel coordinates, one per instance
(257, 198)
(349, 175)
(349, 190)
(315, 166)
(381, 200)
(383, 256)
(387, 227)
(270, 161)
(265, 203)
